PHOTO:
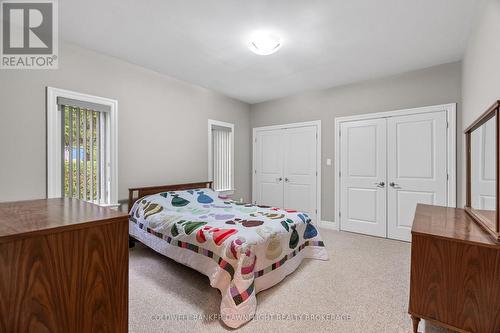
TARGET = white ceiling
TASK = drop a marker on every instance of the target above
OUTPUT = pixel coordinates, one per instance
(325, 43)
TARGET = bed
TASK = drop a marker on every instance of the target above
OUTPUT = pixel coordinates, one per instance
(242, 248)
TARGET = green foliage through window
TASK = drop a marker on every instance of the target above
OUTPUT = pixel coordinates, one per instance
(81, 153)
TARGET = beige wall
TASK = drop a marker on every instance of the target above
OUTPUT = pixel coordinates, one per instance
(431, 86)
(481, 65)
(162, 124)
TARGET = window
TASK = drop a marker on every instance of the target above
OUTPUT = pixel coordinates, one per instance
(81, 147)
(221, 155)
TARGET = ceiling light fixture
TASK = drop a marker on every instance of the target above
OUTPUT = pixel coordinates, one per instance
(264, 42)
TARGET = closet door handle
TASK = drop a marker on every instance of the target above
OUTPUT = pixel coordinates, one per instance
(279, 179)
(381, 184)
(286, 179)
(394, 185)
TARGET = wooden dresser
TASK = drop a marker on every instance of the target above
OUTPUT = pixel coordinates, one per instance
(63, 267)
(455, 272)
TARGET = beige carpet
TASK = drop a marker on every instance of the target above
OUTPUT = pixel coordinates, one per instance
(362, 288)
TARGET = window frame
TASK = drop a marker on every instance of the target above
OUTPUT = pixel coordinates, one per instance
(54, 142)
(212, 123)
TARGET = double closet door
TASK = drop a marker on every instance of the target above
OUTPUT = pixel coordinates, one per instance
(387, 166)
(285, 163)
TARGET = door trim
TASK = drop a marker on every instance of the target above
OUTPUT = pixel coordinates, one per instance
(451, 118)
(317, 124)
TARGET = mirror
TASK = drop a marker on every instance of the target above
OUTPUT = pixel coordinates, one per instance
(482, 170)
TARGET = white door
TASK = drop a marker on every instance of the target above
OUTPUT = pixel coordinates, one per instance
(363, 177)
(269, 168)
(300, 169)
(483, 166)
(285, 168)
(416, 168)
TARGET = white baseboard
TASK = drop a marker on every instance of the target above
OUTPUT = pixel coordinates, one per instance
(331, 225)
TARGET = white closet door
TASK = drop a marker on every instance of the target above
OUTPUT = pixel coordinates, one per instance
(417, 164)
(483, 166)
(363, 177)
(300, 169)
(269, 168)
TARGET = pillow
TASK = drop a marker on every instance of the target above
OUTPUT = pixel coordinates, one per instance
(183, 198)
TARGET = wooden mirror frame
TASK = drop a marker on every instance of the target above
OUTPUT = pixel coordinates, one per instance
(493, 111)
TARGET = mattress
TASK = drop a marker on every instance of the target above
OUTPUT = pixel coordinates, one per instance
(242, 248)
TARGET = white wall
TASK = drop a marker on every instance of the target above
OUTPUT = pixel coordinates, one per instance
(162, 124)
(155, 111)
(431, 86)
(481, 66)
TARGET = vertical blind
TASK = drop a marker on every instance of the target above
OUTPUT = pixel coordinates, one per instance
(84, 135)
(222, 158)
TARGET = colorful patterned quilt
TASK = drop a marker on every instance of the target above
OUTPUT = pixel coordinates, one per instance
(242, 248)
